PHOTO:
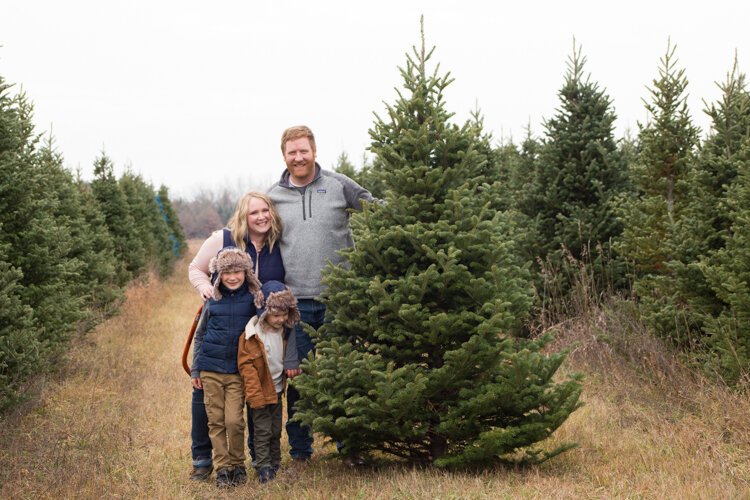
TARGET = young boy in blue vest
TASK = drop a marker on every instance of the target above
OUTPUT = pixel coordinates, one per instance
(216, 361)
(267, 355)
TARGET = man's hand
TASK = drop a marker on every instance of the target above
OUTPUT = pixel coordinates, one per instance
(293, 373)
(197, 384)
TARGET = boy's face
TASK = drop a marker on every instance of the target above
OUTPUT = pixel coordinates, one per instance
(233, 279)
(276, 321)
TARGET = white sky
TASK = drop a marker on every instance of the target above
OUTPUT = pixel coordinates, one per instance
(197, 93)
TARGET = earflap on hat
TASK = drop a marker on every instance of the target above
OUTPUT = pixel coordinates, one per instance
(216, 277)
(253, 284)
(260, 301)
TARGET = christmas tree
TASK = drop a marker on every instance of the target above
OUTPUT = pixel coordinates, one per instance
(113, 203)
(579, 170)
(417, 360)
(726, 156)
(176, 234)
(662, 222)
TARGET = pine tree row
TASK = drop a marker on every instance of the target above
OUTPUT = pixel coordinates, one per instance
(67, 247)
(426, 357)
(663, 215)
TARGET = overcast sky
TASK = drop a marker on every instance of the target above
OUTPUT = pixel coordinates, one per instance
(197, 93)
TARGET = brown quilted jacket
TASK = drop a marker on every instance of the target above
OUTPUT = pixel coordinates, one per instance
(253, 366)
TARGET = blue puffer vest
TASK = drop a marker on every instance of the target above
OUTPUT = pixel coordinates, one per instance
(226, 322)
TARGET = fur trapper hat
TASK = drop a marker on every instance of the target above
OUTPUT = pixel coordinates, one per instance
(231, 259)
(276, 298)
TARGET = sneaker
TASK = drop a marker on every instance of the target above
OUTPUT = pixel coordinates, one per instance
(239, 475)
(201, 473)
(266, 474)
(224, 478)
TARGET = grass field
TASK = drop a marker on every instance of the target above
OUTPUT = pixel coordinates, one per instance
(114, 423)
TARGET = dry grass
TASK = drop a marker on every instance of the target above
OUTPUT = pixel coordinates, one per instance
(115, 423)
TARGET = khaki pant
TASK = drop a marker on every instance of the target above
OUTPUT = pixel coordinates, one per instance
(224, 399)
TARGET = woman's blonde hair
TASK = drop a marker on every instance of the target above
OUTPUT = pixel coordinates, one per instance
(238, 221)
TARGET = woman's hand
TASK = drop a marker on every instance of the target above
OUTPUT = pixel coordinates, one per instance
(207, 292)
(293, 373)
(196, 382)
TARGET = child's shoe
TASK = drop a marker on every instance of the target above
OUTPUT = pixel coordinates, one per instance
(201, 473)
(266, 474)
(224, 478)
(239, 475)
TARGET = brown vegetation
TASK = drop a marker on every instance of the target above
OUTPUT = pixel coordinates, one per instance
(115, 423)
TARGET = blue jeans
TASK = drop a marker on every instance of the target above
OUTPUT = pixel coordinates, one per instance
(311, 312)
(201, 449)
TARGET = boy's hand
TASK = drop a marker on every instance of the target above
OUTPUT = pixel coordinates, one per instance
(293, 373)
(196, 382)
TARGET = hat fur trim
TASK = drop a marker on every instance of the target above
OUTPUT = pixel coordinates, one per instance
(279, 302)
(230, 259)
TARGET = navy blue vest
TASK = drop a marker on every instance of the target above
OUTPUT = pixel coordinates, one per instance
(226, 322)
(271, 266)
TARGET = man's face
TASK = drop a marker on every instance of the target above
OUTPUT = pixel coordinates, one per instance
(233, 279)
(299, 157)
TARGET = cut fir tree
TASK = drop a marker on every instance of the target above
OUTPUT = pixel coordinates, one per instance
(417, 359)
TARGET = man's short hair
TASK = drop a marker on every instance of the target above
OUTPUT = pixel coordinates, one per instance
(297, 132)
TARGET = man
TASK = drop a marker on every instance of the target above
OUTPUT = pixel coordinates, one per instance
(313, 204)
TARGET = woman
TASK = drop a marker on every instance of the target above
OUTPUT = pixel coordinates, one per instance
(255, 227)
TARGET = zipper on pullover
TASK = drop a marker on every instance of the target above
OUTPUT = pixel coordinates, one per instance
(307, 212)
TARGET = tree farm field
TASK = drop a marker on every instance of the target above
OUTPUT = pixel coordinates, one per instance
(114, 422)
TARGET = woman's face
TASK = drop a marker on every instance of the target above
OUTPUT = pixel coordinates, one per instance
(258, 217)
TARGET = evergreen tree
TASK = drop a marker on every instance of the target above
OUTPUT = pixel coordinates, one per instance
(371, 178)
(101, 268)
(345, 166)
(416, 360)
(511, 163)
(721, 154)
(38, 243)
(580, 169)
(658, 240)
(19, 346)
(526, 175)
(728, 272)
(176, 233)
(368, 176)
(129, 252)
(726, 192)
(151, 230)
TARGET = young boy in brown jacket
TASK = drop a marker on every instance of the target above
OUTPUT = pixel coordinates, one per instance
(267, 354)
